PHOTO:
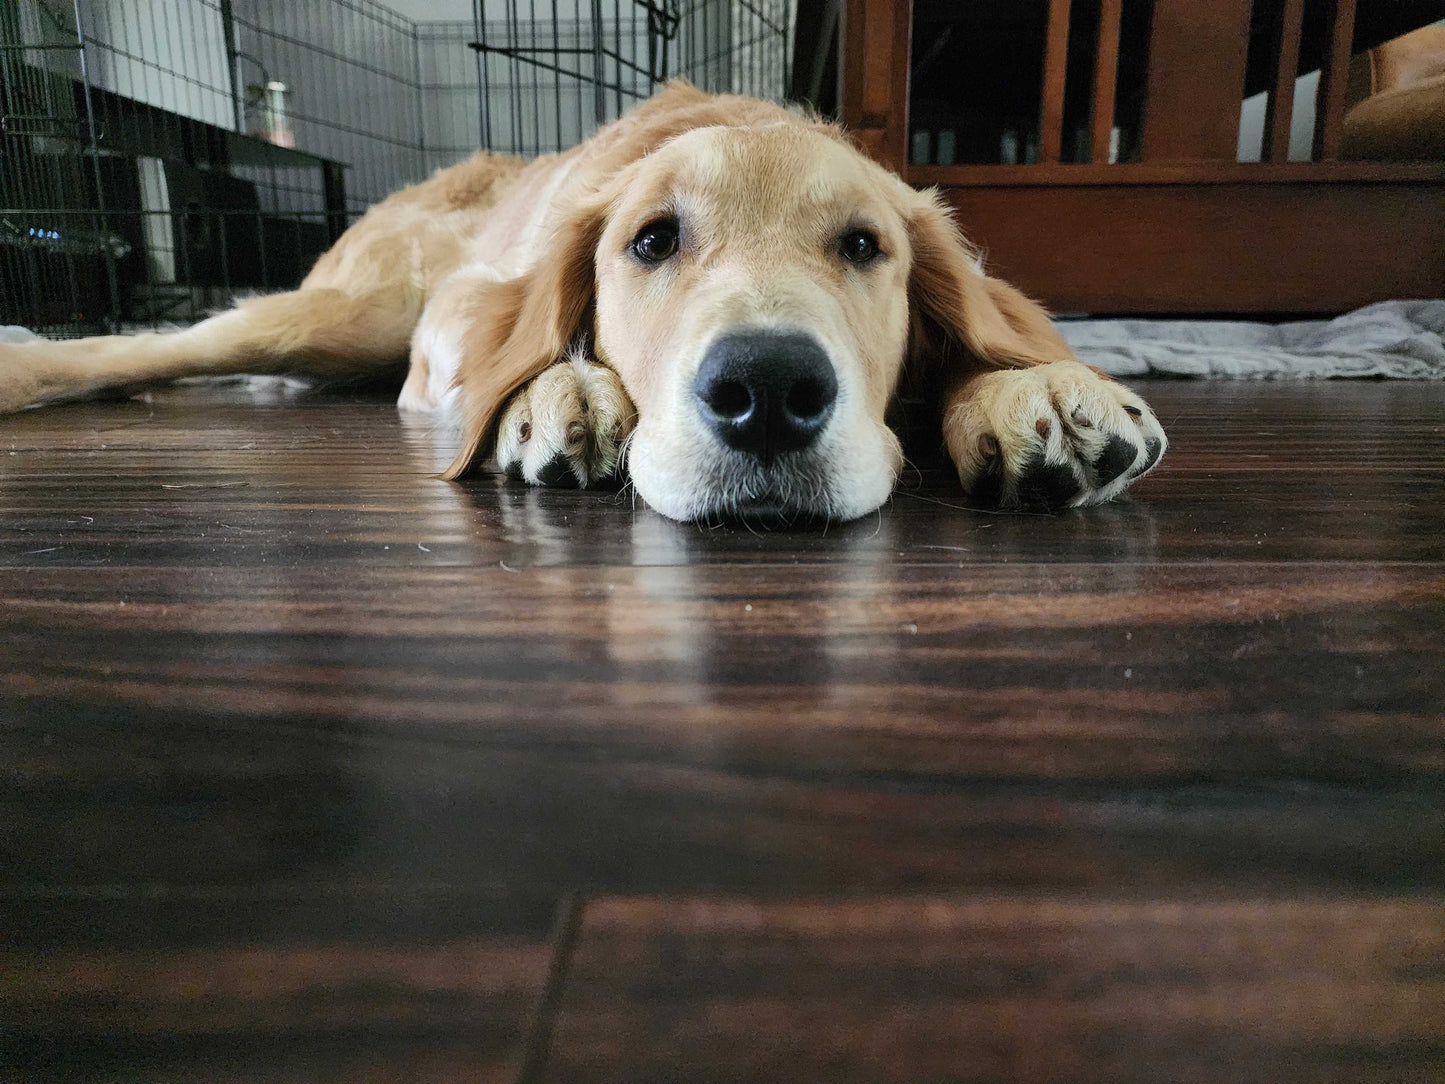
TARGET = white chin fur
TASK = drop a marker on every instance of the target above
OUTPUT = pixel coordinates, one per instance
(860, 474)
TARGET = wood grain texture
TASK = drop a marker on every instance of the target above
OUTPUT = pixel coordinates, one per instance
(1051, 95)
(186, 983)
(1137, 248)
(1190, 174)
(1217, 240)
(1106, 74)
(1279, 107)
(1334, 75)
(1195, 81)
(876, 40)
(1006, 990)
(275, 700)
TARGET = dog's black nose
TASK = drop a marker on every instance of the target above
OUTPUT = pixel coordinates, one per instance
(766, 392)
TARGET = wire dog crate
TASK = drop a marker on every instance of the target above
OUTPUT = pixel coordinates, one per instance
(158, 159)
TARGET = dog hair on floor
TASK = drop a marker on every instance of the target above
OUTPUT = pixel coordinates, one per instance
(717, 295)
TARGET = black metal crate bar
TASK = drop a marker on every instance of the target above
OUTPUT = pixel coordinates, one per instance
(158, 160)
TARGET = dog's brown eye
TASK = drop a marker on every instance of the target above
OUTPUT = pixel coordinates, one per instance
(858, 246)
(656, 241)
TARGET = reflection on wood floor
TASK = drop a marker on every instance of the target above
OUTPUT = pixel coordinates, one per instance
(318, 768)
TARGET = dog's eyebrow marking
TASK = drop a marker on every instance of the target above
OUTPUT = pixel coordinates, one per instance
(658, 213)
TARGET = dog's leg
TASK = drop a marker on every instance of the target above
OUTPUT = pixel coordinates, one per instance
(454, 312)
(317, 331)
(567, 427)
(1049, 436)
(562, 418)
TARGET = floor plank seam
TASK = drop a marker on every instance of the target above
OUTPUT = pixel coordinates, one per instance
(537, 1044)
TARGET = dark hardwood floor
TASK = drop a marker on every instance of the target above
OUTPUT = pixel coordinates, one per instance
(315, 768)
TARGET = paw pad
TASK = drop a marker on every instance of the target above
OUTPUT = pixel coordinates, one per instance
(1117, 457)
(1043, 487)
(558, 473)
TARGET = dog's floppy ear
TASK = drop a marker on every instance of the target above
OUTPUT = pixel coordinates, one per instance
(516, 328)
(962, 321)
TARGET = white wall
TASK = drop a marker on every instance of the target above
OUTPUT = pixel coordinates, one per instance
(449, 11)
(1301, 125)
(167, 53)
(350, 74)
(435, 11)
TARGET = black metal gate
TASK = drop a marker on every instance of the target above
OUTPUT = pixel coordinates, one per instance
(158, 159)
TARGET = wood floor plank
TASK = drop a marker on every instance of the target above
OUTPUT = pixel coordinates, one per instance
(277, 807)
(1287, 473)
(276, 701)
(255, 986)
(1006, 990)
(938, 698)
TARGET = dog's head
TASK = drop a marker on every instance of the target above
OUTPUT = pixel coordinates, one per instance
(760, 291)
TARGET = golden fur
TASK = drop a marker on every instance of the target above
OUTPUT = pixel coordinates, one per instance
(496, 273)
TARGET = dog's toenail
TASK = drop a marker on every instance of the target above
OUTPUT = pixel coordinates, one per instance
(524, 433)
(987, 446)
(1133, 412)
(1082, 420)
(1042, 427)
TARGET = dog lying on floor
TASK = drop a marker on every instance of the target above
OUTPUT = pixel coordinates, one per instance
(718, 295)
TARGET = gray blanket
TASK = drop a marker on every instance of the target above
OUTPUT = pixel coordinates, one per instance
(1400, 339)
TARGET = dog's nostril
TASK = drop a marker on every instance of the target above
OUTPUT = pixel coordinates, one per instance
(807, 399)
(729, 399)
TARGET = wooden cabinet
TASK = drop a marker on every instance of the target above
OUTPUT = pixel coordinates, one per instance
(1175, 224)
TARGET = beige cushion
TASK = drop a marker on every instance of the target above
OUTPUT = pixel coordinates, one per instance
(1411, 58)
(1404, 124)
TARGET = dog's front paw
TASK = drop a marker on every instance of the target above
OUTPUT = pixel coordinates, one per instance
(1049, 437)
(567, 427)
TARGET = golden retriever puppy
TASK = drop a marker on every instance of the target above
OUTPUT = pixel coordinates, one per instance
(715, 294)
